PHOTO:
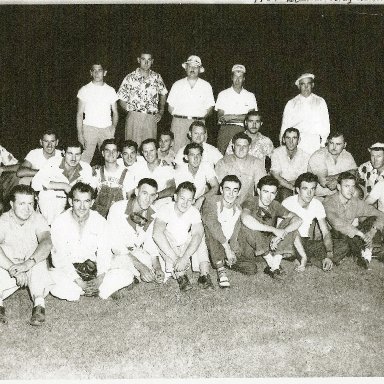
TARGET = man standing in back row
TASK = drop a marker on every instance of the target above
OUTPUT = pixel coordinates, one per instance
(232, 105)
(142, 95)
(94, 122)
(189, 99)
(309, 114)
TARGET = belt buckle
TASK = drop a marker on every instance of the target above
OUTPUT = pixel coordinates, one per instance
(190, 118)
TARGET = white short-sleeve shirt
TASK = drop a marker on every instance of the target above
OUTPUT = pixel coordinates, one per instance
(162, 174)
(204, 174)
(37, 159)
(377, 193)
(315, 210)
(98, 100)
(188, 101)
(178, 226)
(210, 155)
(235, 103)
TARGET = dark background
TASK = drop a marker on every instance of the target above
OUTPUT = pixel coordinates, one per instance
(47, 50)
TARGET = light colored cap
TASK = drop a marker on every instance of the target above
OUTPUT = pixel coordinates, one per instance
(303, 76)
(376, 146)
(238, 68)
(195, 61)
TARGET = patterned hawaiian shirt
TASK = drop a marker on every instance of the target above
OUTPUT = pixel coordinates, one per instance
(369, 176)
(6, 158)
(261, 146)
(142, 93)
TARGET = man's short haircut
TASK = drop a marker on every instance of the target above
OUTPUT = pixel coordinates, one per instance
(104, 66)
(147, 141)
(308, 177)
(241, 135)
(334, 134)
(145, 51)
(108, 141)
(150, 182)
(291, 129)
(193, 146)
(232, 178)
(167, 133)
(21, 189)
(73, 144)
(346, 176)
(252, 113)
(82, 188)
(48, 132)
(267, 180)
(186, 185)
(197, 123)
(129, 144)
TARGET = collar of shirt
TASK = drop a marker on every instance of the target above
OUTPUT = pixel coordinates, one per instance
(139, 76)
(220, 205)
(75, 174)
(129, 211)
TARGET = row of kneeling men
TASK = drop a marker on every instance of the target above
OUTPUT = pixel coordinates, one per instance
(94, 256)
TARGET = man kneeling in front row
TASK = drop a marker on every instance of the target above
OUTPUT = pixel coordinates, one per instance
(261, 236)
(179, 234)
(81, 251)
(25, 243)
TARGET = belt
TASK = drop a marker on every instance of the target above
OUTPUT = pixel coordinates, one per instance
(148, 113)
(61, 197)
(189, 117)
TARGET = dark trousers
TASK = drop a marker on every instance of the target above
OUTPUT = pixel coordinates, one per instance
(345, 246)
(216, 249)
(255, 243)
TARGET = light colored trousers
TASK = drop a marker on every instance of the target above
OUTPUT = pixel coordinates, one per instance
(39, 281)
(51, 205)
(94, 136)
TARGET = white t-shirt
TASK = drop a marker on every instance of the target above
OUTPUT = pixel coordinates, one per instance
(98, 100)
(37, 159)
(204, 174)
(211, 155)
(315, 210)
(227, 217)
(178, 226)
(162, 174)
(235, 103)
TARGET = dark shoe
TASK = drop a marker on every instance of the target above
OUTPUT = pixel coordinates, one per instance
(361, 262)
(122, 292)
(205, 281)
(38, 316)
(3, 317)
(276, 274)
(184, 283)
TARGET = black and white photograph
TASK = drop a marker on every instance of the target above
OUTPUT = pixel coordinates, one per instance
(192, 190)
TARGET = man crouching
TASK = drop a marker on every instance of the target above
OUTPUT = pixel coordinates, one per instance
(81, 252)
(25, 243)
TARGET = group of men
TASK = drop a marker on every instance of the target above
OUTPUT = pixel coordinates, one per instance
(160, 205)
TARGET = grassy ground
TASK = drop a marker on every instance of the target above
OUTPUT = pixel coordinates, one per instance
(311, 324)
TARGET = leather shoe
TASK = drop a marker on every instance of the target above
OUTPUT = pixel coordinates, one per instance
(361, 262)
(184, 283)
(38, 316)
(276, 274)
(205, 281)
(3, 317)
